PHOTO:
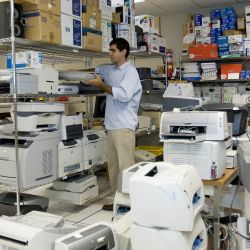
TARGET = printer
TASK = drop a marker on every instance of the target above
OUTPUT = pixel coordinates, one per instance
(243, 157)
(97, 236)
(71, 127)
(70, 159)
(174, 196)
(77, 189)
(208, 157)
(33, 231)
(193, 126)
(122, 200)
(94, 148)
(67, 89)
(38, 158)
(162, 239)
(47, 79)
(235, 114)
(26, 83)
(37, 116)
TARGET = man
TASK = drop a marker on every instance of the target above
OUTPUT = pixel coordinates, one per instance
(122, 84)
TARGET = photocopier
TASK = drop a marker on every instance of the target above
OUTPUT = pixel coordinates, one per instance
(197, 138)
(34, 231)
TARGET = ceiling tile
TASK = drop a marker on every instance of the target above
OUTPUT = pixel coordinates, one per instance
(212, 3)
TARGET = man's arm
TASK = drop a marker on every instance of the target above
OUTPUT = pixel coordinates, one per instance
(98, 82)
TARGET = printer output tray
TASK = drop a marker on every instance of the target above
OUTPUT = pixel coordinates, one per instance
(183, 138)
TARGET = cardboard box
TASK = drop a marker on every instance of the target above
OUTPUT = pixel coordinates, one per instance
(231, 71)
(155, 117)
(235, 39)
(42, 26)
(107, 13)
(93, 3)
(116, 18)
(50, 6)
(157, 24)
(72, 8)
(91, 17)
(26, 59)
(241, 23)
(213, 93)
(92, 39)
(72, 108)
(71, 31)
(231, 32)
(228, 92)
(203, 51)
(124, 14)
(206, 21)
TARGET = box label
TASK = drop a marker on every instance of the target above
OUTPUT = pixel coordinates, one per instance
(77, 34)
(76, 7)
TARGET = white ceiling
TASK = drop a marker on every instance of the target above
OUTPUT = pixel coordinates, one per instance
(158, 7)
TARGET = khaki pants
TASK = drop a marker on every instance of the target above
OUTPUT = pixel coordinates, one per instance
(121, 147)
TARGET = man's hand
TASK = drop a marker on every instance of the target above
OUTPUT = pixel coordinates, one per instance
(97, 82)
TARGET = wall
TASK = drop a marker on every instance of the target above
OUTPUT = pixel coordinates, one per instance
(172, 26)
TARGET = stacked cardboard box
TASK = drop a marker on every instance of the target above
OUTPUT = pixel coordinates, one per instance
(92, 25)
(43, 21)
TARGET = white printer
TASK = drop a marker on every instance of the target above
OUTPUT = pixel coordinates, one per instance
(67, 89)
(37, 116)
(97, 236)
(71, 127)
(47, 79)
(208, 157)
(164, 195)
(94, 148)
(38, 158)
(26, 83)
(70, 159)
(162, 239)
(33, 231)
(193, 126)
(77, 189)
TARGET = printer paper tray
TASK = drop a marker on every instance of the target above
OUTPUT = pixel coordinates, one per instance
(183, 138)
(72, 198)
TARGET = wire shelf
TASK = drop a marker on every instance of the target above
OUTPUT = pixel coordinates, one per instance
(222, 81)
(226, 59)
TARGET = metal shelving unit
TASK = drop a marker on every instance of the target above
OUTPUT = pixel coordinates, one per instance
(221, 81)
(219, 60)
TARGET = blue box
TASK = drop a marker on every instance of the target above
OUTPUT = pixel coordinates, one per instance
(215, 14)
(243, 74)
(198, 20)
(223, 41)
(247, 74)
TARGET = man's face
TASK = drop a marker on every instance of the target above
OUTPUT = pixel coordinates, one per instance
(115, 55)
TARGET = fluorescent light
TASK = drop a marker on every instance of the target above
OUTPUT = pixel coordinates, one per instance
(139, 1)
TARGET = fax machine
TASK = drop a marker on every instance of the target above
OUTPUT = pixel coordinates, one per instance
(70, 159)
(34, 231)
(162, 239)
(37, 158)
(193, 126)
(37, 116)
(71, 127)
(77, 189)
(208, 157)
(174, 196)
(26, 83)
(94, 148)
(97, 236)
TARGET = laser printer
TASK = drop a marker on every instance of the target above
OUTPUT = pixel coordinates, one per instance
(34, 231)
(26, 83)
(243, 155)
(76, 75)
(70, 159)
(174, 196)
(47, 79)
(77, 189)
(122, 200)
(71, 127)
(38, 158)
(208, 157)
(193, 126)
(94, 148)
(37, 116)
(235, 114)
(162, 239)
(96, 236)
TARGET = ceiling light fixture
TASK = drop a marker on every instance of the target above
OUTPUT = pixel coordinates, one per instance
(139, 1)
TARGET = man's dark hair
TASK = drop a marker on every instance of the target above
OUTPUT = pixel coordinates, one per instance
(121, 44)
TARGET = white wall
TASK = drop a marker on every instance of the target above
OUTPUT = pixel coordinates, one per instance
(172, 26)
